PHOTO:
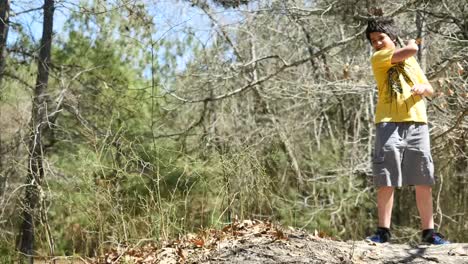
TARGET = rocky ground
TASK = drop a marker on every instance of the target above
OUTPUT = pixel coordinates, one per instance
(262, 242)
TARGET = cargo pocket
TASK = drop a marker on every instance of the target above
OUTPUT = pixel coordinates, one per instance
(428, 166)
(378, 166)
(417, 168)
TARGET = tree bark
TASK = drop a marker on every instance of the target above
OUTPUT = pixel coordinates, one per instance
(38, 125)
(420, 25)
(4, 20)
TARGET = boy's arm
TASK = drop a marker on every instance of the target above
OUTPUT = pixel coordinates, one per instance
(407, 51)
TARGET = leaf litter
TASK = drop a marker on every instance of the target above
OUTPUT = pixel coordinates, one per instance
(256, 241)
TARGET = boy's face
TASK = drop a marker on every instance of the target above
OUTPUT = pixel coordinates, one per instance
(381, 41)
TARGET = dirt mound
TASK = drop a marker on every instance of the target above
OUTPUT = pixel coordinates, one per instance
(263, 242)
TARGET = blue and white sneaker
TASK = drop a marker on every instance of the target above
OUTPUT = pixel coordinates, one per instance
(380, 236)
(435, 239)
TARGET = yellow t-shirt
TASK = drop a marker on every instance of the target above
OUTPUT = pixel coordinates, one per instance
(401, 106)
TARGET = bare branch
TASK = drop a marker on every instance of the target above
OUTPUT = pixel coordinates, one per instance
(266, 78)
(459, 120)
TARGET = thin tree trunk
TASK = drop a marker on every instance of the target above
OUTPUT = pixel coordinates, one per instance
(420, 25)
(4, 20)
(38, 125)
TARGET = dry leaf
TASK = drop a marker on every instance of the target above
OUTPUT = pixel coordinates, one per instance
(280, 234)
(323, 234)
(316, 233)
(181, 253)
(460, 69)
(198, 242)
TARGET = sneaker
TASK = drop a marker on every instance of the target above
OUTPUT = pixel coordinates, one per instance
(435, 239)
(382, 235)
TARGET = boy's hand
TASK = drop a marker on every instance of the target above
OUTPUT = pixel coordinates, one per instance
(412, 43)
(422, 89)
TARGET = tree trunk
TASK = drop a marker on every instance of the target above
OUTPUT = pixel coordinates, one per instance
(420, 25)
(38, 125)
(4, 20)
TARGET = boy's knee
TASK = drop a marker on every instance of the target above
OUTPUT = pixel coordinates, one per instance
(427, 188)
(385, 188)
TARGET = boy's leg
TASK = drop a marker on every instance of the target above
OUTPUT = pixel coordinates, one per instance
(386, 170)
(385, 205)
(424, 204)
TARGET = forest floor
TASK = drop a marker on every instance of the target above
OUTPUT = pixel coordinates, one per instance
(263, 242)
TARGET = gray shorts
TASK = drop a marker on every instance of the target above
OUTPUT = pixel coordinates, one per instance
(402, 155)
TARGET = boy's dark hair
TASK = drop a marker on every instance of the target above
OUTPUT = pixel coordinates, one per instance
(383, 25)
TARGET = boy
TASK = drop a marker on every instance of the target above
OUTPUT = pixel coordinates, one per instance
(402, 153)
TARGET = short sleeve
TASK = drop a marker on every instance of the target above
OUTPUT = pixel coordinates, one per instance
(382, 59)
